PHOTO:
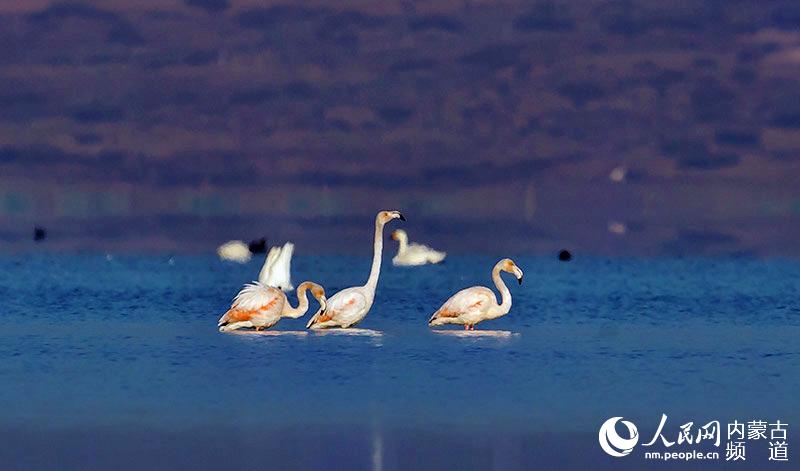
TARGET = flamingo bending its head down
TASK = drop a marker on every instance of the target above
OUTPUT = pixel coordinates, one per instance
(349, 306)
(413, 254)
(261, 306)
(478, 303)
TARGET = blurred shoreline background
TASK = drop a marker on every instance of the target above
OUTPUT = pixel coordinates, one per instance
(605, 127)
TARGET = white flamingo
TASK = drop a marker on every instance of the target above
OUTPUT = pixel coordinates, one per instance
(262, 306)
(413, 254)
(277, 269)
(478, 303)
(349, 306)
(234, 251)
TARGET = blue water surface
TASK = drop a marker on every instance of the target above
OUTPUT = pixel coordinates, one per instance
(91, 341)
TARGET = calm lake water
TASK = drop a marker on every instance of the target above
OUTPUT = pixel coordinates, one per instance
(100, 356)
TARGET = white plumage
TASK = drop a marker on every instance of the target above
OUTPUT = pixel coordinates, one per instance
(256, 305)
(277, 269)
(234, 251)
(349, 305)
(253, 296)
(413, 254)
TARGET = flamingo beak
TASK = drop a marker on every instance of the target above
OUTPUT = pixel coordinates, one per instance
(518, 273)
(402, 218)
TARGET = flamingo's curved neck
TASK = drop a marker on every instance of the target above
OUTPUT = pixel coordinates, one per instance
(302, 305)
(372, 282)
(505, 305)
(403, 240)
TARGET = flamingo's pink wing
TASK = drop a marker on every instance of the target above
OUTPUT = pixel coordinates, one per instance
(254, 301)
(347, 301)
(466, 301)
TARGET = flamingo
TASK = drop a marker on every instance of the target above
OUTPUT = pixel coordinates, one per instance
(277, 269)
(349, 306)
(234, 251)
(413, 254)
(478, 303)
(261, 306)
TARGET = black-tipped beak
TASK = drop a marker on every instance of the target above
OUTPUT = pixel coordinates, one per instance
(402, 218)
(520, 280)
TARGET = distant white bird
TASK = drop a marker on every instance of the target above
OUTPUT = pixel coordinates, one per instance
(349, 306)
(277, 269)
(234, 251)
(618, 174)
(472, 305)
(616, 227)
(261, 307)
(414, 254)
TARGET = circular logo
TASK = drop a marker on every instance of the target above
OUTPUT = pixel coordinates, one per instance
(612, 443)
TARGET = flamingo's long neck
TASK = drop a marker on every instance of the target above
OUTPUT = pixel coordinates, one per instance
(372, 282)
(302, 304)
(403, 240)
(505, 305)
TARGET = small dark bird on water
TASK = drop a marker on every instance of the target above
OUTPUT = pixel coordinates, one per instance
(564, 256)
(258, 246)
(39, 234)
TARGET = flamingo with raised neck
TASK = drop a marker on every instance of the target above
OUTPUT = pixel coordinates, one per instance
(478, 303)
(349, 306)
(260, 306)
